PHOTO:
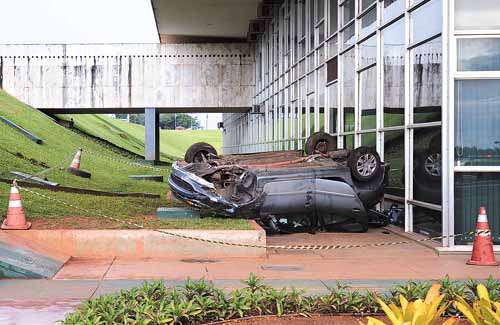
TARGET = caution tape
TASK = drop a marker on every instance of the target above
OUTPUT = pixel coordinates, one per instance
(280, 247)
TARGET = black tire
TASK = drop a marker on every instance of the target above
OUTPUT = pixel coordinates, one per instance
(320, 141)
(428, 168)
(198, 151)
(364, 163)
(79, 172)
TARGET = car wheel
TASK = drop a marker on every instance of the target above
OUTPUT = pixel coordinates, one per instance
(364, 163)
(428, 167)
(199, 152)
(320, 142)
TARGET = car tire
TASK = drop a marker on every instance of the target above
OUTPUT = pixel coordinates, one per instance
(428, 167)
(198, 151)
(320, 141)
(364, 163)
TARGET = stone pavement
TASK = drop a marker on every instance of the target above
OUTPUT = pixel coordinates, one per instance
(24, 301)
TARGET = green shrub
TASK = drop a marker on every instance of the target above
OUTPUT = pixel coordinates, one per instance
(199, 301)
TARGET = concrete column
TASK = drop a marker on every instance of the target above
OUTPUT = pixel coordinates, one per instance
(152, 138)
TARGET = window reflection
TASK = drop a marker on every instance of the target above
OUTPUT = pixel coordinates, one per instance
(368, 52)
(477, 116)
(368, 98)
(348, 36)
(427, 81)
(333, 16)
(348, 90)
(349, 141)
(478, 54)
(477, 14)
(394, 155)
(369, 140)
(392, 9)
(332, 99)
(394, 79)
(426, 21)
(473, 190)
(368, 22)
(427, 222)
(427, 170)
(348, 9)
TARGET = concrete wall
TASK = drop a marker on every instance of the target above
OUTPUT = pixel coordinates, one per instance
(125, 77)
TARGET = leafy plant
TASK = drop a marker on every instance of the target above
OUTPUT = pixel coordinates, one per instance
(483, 311)
(418, 312)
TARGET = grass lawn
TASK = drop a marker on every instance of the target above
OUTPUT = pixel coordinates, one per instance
(109, 169)
(173, 144)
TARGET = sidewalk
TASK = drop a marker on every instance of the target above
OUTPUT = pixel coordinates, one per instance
(375, 268)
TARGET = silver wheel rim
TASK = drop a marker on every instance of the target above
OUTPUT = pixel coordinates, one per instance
(432, 165)
(366, 165)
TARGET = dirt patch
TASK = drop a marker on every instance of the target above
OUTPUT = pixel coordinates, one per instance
(299, 320)
(30, 160)
(313, 320)
(79, 222)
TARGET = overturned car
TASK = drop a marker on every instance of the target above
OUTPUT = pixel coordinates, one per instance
(320, 188)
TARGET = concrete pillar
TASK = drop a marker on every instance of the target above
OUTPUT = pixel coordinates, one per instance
(152, 138)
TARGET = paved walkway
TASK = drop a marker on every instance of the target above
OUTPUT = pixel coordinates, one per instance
(45, 301)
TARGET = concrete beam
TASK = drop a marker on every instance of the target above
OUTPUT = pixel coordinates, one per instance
(152, 138)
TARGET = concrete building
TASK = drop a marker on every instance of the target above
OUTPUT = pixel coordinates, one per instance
(416, 79)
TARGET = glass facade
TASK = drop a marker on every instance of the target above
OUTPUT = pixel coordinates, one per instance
(371, 73)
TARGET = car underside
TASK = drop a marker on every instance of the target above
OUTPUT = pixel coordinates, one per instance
(285, 190)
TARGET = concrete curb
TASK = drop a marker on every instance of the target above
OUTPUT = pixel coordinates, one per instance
(145, 243)
(21, 258)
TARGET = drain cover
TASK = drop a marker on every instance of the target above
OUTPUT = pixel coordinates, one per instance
(198, 260)
(281, 268)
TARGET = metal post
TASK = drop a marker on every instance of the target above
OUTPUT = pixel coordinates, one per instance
(152, 136)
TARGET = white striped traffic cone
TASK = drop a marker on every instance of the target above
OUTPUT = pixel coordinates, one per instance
(75, 164)
(482, 249)
(16, 220)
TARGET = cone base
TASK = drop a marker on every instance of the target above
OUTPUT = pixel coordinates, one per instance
(5, 226)
(482, 263)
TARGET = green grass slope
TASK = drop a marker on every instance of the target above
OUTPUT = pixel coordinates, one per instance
(109, 170)
(129, 136)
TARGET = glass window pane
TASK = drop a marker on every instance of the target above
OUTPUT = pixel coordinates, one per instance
(321, 33)
(394, 155)
(478, 54)
(426, 21)
(363, 4)
(427, 82)
(369, 140)
(348, 36)
(332, 69)
(368, 22)
(392, 9)
(320, 10)
(311, 24)
(368, 98)
(427, 222)
(311, 114)
(348, 90)
(473, 190)
(394, 80)
(348, 9)
(367, 52)
(477, 120)
(321, 55)
(332, 100)
(427, 165)
(333, 16)
(349, 141)
(477, 14)
(332, 46)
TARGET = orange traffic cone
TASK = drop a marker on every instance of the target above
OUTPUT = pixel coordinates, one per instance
(16, 220)
(482, 251)
(75, 164)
